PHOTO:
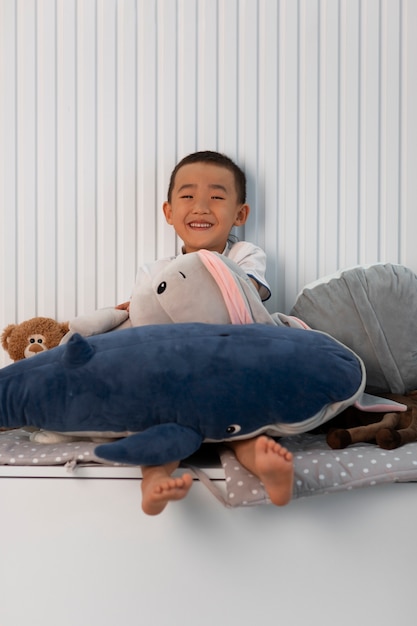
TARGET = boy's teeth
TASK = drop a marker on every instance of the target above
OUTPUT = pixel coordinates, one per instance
(198, 225)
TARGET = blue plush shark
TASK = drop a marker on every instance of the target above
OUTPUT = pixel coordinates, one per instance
(174, 386)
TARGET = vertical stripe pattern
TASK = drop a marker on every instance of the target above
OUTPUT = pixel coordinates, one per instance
(315, 99)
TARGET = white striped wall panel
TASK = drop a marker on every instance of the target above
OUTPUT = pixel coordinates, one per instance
(316, 99)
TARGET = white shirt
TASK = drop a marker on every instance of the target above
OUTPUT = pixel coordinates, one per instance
(250, 258)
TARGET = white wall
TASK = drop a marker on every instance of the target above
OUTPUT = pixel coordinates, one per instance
(316, 99)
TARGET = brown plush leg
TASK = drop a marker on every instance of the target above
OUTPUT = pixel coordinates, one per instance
(389, 438)
(338, 438)
(341, 438)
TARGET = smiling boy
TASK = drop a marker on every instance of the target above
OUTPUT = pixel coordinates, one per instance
(206, 199)
(203, 206)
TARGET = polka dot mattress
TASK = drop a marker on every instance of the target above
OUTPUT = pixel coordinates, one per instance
(321, 470)
(17, 449)
(318, 468)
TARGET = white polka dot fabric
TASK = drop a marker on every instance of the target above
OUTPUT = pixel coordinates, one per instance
(320, 470)
(17, 449)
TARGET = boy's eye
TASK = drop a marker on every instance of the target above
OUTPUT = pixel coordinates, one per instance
(187, 196)
(217, 198)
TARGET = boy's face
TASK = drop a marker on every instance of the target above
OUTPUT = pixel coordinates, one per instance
(204, 206)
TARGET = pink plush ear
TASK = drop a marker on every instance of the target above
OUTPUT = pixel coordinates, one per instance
(233, 299)
(375, 404)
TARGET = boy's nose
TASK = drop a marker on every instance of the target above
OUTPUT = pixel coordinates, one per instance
(201, 206)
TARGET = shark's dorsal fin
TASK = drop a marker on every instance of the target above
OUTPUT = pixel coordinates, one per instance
(77, 352)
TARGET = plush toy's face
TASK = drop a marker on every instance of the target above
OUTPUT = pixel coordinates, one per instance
(32, 337)
(184, 292)
(36, 343)
(198, 287)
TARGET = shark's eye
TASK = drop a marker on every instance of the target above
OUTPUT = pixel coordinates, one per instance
(182, 274)
(233, 429)
(161, 287)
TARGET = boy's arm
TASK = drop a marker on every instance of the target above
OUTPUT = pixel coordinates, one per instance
(255, 282)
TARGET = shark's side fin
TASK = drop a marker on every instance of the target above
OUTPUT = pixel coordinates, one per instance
(157, 445)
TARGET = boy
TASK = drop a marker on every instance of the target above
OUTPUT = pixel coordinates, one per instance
(206, 198)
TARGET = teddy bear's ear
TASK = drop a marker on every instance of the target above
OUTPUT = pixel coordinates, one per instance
(6, 336)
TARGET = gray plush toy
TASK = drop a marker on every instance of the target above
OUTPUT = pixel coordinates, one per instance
(372, 311)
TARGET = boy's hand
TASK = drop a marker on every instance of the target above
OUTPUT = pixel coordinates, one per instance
(124, 306)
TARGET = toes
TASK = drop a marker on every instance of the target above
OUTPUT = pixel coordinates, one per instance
(282, 452)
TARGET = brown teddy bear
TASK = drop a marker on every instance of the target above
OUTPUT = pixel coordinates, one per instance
(33, 336)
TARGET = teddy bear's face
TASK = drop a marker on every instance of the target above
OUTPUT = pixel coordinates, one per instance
(32, 337)
(36, 343)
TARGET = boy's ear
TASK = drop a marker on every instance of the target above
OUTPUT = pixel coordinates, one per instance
(242, 215)
(167, 209)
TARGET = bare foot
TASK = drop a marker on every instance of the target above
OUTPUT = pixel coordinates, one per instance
(271, 463)
(275, 469)
(159, 489)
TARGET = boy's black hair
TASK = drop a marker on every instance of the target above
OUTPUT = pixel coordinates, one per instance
(214, 158)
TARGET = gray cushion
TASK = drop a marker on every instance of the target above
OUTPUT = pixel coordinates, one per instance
(372, 311)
